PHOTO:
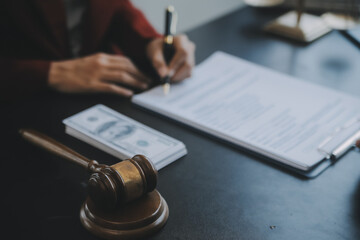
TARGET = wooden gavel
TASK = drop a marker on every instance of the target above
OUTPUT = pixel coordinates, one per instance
(123, 202)
(108, 186)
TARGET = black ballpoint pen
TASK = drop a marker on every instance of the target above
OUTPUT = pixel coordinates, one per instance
(168, 47)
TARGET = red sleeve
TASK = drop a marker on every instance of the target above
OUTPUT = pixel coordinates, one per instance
(133, 31)
(22, 77)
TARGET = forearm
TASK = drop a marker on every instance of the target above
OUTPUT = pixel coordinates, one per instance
(96, 73)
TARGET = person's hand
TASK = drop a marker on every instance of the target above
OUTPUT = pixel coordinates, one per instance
(181, 65)
(97, 73)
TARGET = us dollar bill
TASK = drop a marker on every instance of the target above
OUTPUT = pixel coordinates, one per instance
(122, 136)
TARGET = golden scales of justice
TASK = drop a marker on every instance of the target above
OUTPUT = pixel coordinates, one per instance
(123, 202)
(302, 26)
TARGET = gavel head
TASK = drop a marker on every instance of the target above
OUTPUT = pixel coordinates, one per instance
(111, 186)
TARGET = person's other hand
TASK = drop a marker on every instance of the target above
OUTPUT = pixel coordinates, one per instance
(97, 73)
(181, 65)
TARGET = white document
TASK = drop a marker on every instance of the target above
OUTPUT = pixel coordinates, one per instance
(271, 113)
(123, 137)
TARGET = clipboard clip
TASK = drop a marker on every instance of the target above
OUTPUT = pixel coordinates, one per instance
(343, 138)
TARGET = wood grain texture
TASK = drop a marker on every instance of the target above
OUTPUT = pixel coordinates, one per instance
(141, 218)
(54, 147)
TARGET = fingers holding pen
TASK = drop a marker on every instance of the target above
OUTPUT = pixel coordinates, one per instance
(183, 72)
(156, 55)
(181, 64)
(183, 61)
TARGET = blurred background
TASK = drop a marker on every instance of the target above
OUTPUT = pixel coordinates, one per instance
(193, 13)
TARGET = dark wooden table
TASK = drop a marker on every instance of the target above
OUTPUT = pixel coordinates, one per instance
(216, 191)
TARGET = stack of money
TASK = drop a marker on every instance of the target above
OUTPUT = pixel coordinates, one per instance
(123, 137)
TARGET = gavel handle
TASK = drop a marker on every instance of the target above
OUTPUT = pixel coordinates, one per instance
(56, 148)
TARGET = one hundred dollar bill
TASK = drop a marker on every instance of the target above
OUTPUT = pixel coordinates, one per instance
(122, 136)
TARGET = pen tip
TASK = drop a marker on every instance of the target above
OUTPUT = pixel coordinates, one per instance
(166, 88)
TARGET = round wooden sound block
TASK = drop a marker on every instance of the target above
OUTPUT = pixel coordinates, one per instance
(138, 219)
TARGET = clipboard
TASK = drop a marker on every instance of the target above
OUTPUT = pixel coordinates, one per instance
(335, 146)
(296, 124)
